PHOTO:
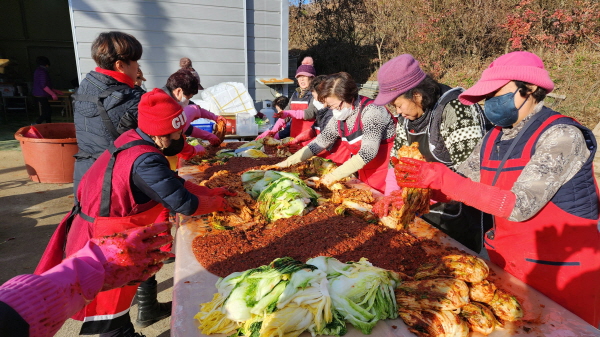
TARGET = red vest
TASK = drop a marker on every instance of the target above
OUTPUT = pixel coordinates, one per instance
(120, 214)
(555, 252)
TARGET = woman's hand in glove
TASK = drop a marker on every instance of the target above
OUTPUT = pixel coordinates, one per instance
(419, 174)
(221, 192)
(221, 119)
(133, 256)
(213, 139)
(327, 180)
(199, 150)
(209, 204)
(281, 114)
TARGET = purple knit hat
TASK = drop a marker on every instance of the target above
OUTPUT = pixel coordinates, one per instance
(306, 70)
(515, 66)
(398, 76)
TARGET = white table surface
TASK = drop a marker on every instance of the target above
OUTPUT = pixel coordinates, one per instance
(194, 285)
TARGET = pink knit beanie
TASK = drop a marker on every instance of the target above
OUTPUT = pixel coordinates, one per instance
(398, 76)
(516, 66)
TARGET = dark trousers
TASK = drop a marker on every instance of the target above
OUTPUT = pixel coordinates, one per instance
(46, 110)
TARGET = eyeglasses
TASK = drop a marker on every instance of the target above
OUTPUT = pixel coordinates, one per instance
(336, 108)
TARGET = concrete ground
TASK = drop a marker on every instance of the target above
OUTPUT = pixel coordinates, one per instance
(29, 213)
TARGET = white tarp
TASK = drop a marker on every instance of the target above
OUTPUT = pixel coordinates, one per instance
(227, 98)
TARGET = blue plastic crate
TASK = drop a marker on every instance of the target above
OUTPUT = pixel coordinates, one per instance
(206, 125)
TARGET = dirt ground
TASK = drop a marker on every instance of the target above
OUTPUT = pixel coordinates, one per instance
(29, 213)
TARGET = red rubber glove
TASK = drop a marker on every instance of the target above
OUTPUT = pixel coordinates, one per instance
(205, 191)
(197, 190)
(187, 153)
(209, 204)
(420, 174)
(305, 135)
(133, 256)
(207, 201)
(221, 192)
(293, 148)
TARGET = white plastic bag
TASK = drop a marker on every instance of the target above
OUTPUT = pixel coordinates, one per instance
(228, 97)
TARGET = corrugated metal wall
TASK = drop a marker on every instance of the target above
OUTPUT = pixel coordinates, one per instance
(227, 40)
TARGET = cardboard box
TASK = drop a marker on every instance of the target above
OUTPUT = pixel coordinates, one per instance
(231, 125)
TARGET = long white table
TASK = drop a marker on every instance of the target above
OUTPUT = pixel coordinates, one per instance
(194, 285)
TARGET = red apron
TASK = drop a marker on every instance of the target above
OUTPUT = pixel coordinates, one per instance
(375, 171)
(107, 207)
(555, 252)
(299, 125)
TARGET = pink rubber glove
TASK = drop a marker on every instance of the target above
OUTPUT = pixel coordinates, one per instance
(193, 112)
(390, 182)
(46, 301)
(58, 92)
(265, 134)
(297, 114)
(51, 93)
(199, 150)
(133, 256)
(202, 134)
(489, 199)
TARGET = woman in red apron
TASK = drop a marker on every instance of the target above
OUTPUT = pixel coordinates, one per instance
(128, 186)
(446, 131)
(533, 172)
(365, 130)
(318, 115)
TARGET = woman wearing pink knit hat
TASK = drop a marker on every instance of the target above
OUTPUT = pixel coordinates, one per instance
(128, 186)
(533, 172)
(446, 130)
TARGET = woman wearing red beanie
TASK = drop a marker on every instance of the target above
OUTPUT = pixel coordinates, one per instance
(533, 172)
(128, 186)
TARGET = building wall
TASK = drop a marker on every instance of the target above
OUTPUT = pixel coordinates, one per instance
(227, 40)
(267, 44)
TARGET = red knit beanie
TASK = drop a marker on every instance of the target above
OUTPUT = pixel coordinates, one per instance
(159, 114)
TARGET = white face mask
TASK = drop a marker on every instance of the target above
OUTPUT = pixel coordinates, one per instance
(342, 114)
(184, 101)
(318, 104)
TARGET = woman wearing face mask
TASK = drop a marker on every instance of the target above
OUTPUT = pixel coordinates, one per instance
(533, 172)
(446, 130)
(366, 131)
(128, 186)
(300, 100)
(182, 86)
(316, 111)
